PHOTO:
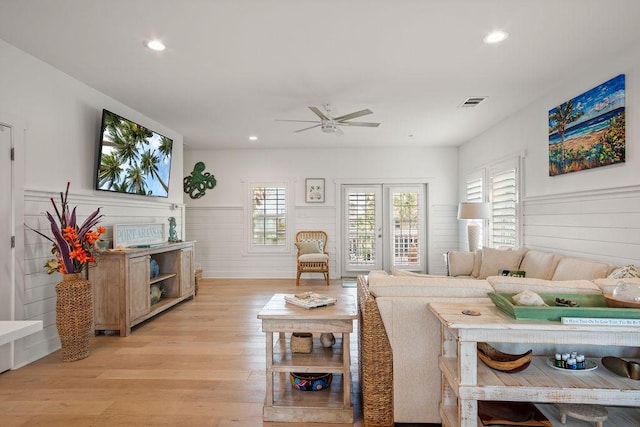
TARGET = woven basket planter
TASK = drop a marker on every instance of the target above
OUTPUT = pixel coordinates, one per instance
(74, 316)
(301, 342)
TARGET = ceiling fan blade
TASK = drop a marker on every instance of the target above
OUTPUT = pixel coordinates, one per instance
(310, 127)
(353, 115)
(319, 113)
(365, 124)
(300, 121)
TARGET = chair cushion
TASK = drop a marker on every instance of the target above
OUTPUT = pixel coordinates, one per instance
(313, 258)
(309, 247)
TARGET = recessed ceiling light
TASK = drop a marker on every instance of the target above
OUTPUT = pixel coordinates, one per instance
(253, 138)
(495, 37)
(155, 45)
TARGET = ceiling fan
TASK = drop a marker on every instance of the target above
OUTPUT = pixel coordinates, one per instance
(329, 124)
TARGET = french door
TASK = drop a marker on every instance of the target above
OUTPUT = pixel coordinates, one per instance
(383, 227)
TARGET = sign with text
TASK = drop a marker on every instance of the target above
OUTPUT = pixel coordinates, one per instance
(132, 235)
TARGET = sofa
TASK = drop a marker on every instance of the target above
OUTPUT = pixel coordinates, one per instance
(399, 338)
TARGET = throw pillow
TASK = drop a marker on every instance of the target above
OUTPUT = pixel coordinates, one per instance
(495, 260)
(460, 263)
(539, 265)
(310, 247)
(624, 272)
(476, 263)
(576, 268)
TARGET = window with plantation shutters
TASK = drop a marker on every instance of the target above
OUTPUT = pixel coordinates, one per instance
(268, 216)
(504, 199)
(474, 190)
(475, 194)
(498, 184)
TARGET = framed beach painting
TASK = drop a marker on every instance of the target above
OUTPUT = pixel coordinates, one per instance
(588, 131)
(314, 190)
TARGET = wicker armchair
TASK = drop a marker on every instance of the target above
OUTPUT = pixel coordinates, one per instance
(312, 256)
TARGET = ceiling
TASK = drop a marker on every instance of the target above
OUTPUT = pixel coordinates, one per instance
(232, 67)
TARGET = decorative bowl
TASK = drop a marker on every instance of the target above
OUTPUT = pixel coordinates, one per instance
(614, 302)
(505, 362)
(310, 382)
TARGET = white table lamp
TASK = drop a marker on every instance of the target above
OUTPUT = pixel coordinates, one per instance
(472, 211)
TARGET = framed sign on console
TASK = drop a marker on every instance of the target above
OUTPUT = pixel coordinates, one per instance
(138, 235)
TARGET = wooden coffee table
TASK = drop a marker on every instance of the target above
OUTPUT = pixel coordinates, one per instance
(282, 402)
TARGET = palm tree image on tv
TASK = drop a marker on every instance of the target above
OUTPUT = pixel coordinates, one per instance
(133, 159)
(588, 131)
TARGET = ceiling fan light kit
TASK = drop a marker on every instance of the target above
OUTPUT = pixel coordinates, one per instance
(330, 124)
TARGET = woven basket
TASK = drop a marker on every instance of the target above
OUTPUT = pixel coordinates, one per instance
(74, 316)
(376, 361)
(301, 342)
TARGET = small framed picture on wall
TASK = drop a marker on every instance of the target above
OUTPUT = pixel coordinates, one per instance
(314, 190)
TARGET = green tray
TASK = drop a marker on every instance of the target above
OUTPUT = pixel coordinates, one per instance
(590, 306)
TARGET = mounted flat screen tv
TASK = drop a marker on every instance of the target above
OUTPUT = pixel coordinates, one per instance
(132, 158)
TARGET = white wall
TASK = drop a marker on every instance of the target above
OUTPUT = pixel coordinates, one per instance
(62, 121)
(218, 219)
(593, 213)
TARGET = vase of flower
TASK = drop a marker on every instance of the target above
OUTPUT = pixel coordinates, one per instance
(74, 247)
(74, 316)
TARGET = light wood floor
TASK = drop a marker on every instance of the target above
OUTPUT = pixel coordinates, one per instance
(200, 364)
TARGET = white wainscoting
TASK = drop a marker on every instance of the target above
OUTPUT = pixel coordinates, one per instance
(221, 247)
(36, 297)
(601, 225)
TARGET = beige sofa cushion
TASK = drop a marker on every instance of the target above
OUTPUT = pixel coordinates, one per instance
(506, 284)
(494, 260)
(477, 263)
(539, 265)
(406, 286)
(400, 272)
(574, 268)
(460, 263)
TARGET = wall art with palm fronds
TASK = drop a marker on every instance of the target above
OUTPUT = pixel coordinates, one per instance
(588, 131)
(132, 158)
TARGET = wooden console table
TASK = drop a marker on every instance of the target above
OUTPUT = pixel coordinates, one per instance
(325, 406)
(121, 283)
(465, 381)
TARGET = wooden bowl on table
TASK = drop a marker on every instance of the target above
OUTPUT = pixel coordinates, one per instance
(504, 362)
(619, 303)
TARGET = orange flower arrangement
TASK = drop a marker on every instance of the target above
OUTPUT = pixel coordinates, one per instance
(73, 244)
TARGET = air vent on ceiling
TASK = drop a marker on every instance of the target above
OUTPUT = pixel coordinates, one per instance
(473, 101)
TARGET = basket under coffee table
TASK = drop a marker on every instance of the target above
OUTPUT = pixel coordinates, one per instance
(332, 405)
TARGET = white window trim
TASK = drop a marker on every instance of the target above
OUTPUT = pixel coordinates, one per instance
(485, 173)
(248, 246)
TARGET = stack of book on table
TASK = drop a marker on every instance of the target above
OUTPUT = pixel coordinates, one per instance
(309, 300)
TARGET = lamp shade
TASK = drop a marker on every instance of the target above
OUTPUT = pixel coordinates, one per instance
(474, 210)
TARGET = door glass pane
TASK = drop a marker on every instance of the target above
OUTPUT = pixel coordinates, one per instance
(361, 228)
(406, 229)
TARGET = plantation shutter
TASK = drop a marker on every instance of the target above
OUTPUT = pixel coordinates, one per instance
(269, 220)
(474, 190)
(504, 199)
